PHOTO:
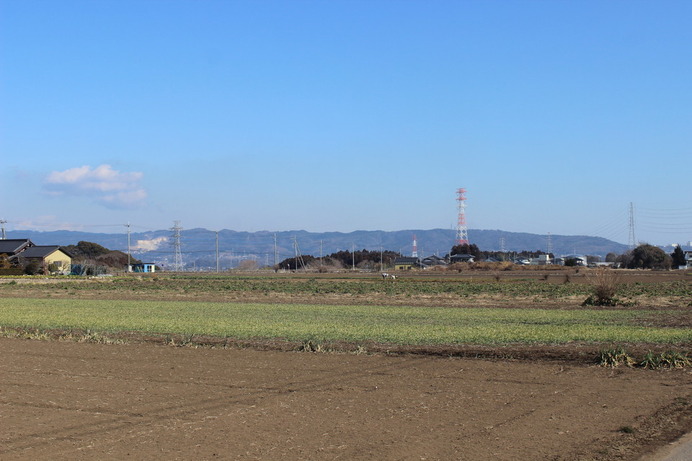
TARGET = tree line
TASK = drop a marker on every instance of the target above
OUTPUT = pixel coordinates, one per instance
(361, 259)
(644, 256)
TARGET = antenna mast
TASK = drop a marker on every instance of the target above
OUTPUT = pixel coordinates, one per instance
(462, 231)
(176, 229)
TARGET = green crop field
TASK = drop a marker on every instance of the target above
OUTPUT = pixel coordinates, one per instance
(299, 322)
(552, 288)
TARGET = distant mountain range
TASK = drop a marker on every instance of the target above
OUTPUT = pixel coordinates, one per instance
(198, 246)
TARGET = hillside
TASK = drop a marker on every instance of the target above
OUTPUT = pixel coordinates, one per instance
(198, 246)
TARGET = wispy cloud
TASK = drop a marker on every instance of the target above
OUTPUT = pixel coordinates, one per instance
(111, 188)
(43, 223)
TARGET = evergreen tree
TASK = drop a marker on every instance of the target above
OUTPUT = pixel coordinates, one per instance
(466, 249)
(678, 257)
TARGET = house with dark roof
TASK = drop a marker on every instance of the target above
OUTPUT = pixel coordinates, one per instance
(48, 257)
(405, 263)
(461, 258)
(434, 260)
(12, 247)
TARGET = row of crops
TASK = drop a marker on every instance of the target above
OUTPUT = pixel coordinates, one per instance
(386, 324)
(400, 287)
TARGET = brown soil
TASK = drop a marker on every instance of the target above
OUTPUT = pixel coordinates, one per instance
(67, 400)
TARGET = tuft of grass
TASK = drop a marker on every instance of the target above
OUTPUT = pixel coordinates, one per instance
(650, 360)
(310, 346)
(614, 357)
(673, 359)
(360, 350)
(667, 359)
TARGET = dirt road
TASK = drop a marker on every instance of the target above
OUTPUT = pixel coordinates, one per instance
(65, 400)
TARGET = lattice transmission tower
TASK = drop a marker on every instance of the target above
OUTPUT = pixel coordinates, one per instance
(462, 231)
(178, 261)
(298, 256)
(632, 239)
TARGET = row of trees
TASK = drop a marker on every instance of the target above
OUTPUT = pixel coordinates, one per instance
(651, 257)
(362, 259)
(642, 257)
(480, 255)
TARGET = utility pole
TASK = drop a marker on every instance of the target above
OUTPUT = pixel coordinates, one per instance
(129, 264)
(353, 256)
(321, 256)
(276, 254)
(217, 252)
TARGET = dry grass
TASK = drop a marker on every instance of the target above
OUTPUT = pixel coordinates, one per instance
(605, 284)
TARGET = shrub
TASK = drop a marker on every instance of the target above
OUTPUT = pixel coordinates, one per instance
(33, 268)
(605, 284)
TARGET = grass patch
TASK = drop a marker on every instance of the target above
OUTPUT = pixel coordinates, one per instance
(319, 323)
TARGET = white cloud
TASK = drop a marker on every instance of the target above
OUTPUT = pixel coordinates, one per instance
(107, 186)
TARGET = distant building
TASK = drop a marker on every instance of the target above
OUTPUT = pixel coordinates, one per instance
(47, 256)
(434, 261)
(542, 260)
(579, 260)
(12, 247)
(144, 267)
(462, 258)
(405, 263)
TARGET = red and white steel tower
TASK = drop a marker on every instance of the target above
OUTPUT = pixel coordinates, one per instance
(414, 253)
(462, 231)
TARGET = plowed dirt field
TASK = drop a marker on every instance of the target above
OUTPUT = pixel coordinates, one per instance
(67, 400)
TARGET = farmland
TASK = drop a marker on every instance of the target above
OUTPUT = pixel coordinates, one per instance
(243, 334)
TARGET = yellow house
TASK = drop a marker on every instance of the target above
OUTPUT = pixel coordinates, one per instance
(48, 256)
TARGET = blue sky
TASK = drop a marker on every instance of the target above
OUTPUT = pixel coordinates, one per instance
(347, 115)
